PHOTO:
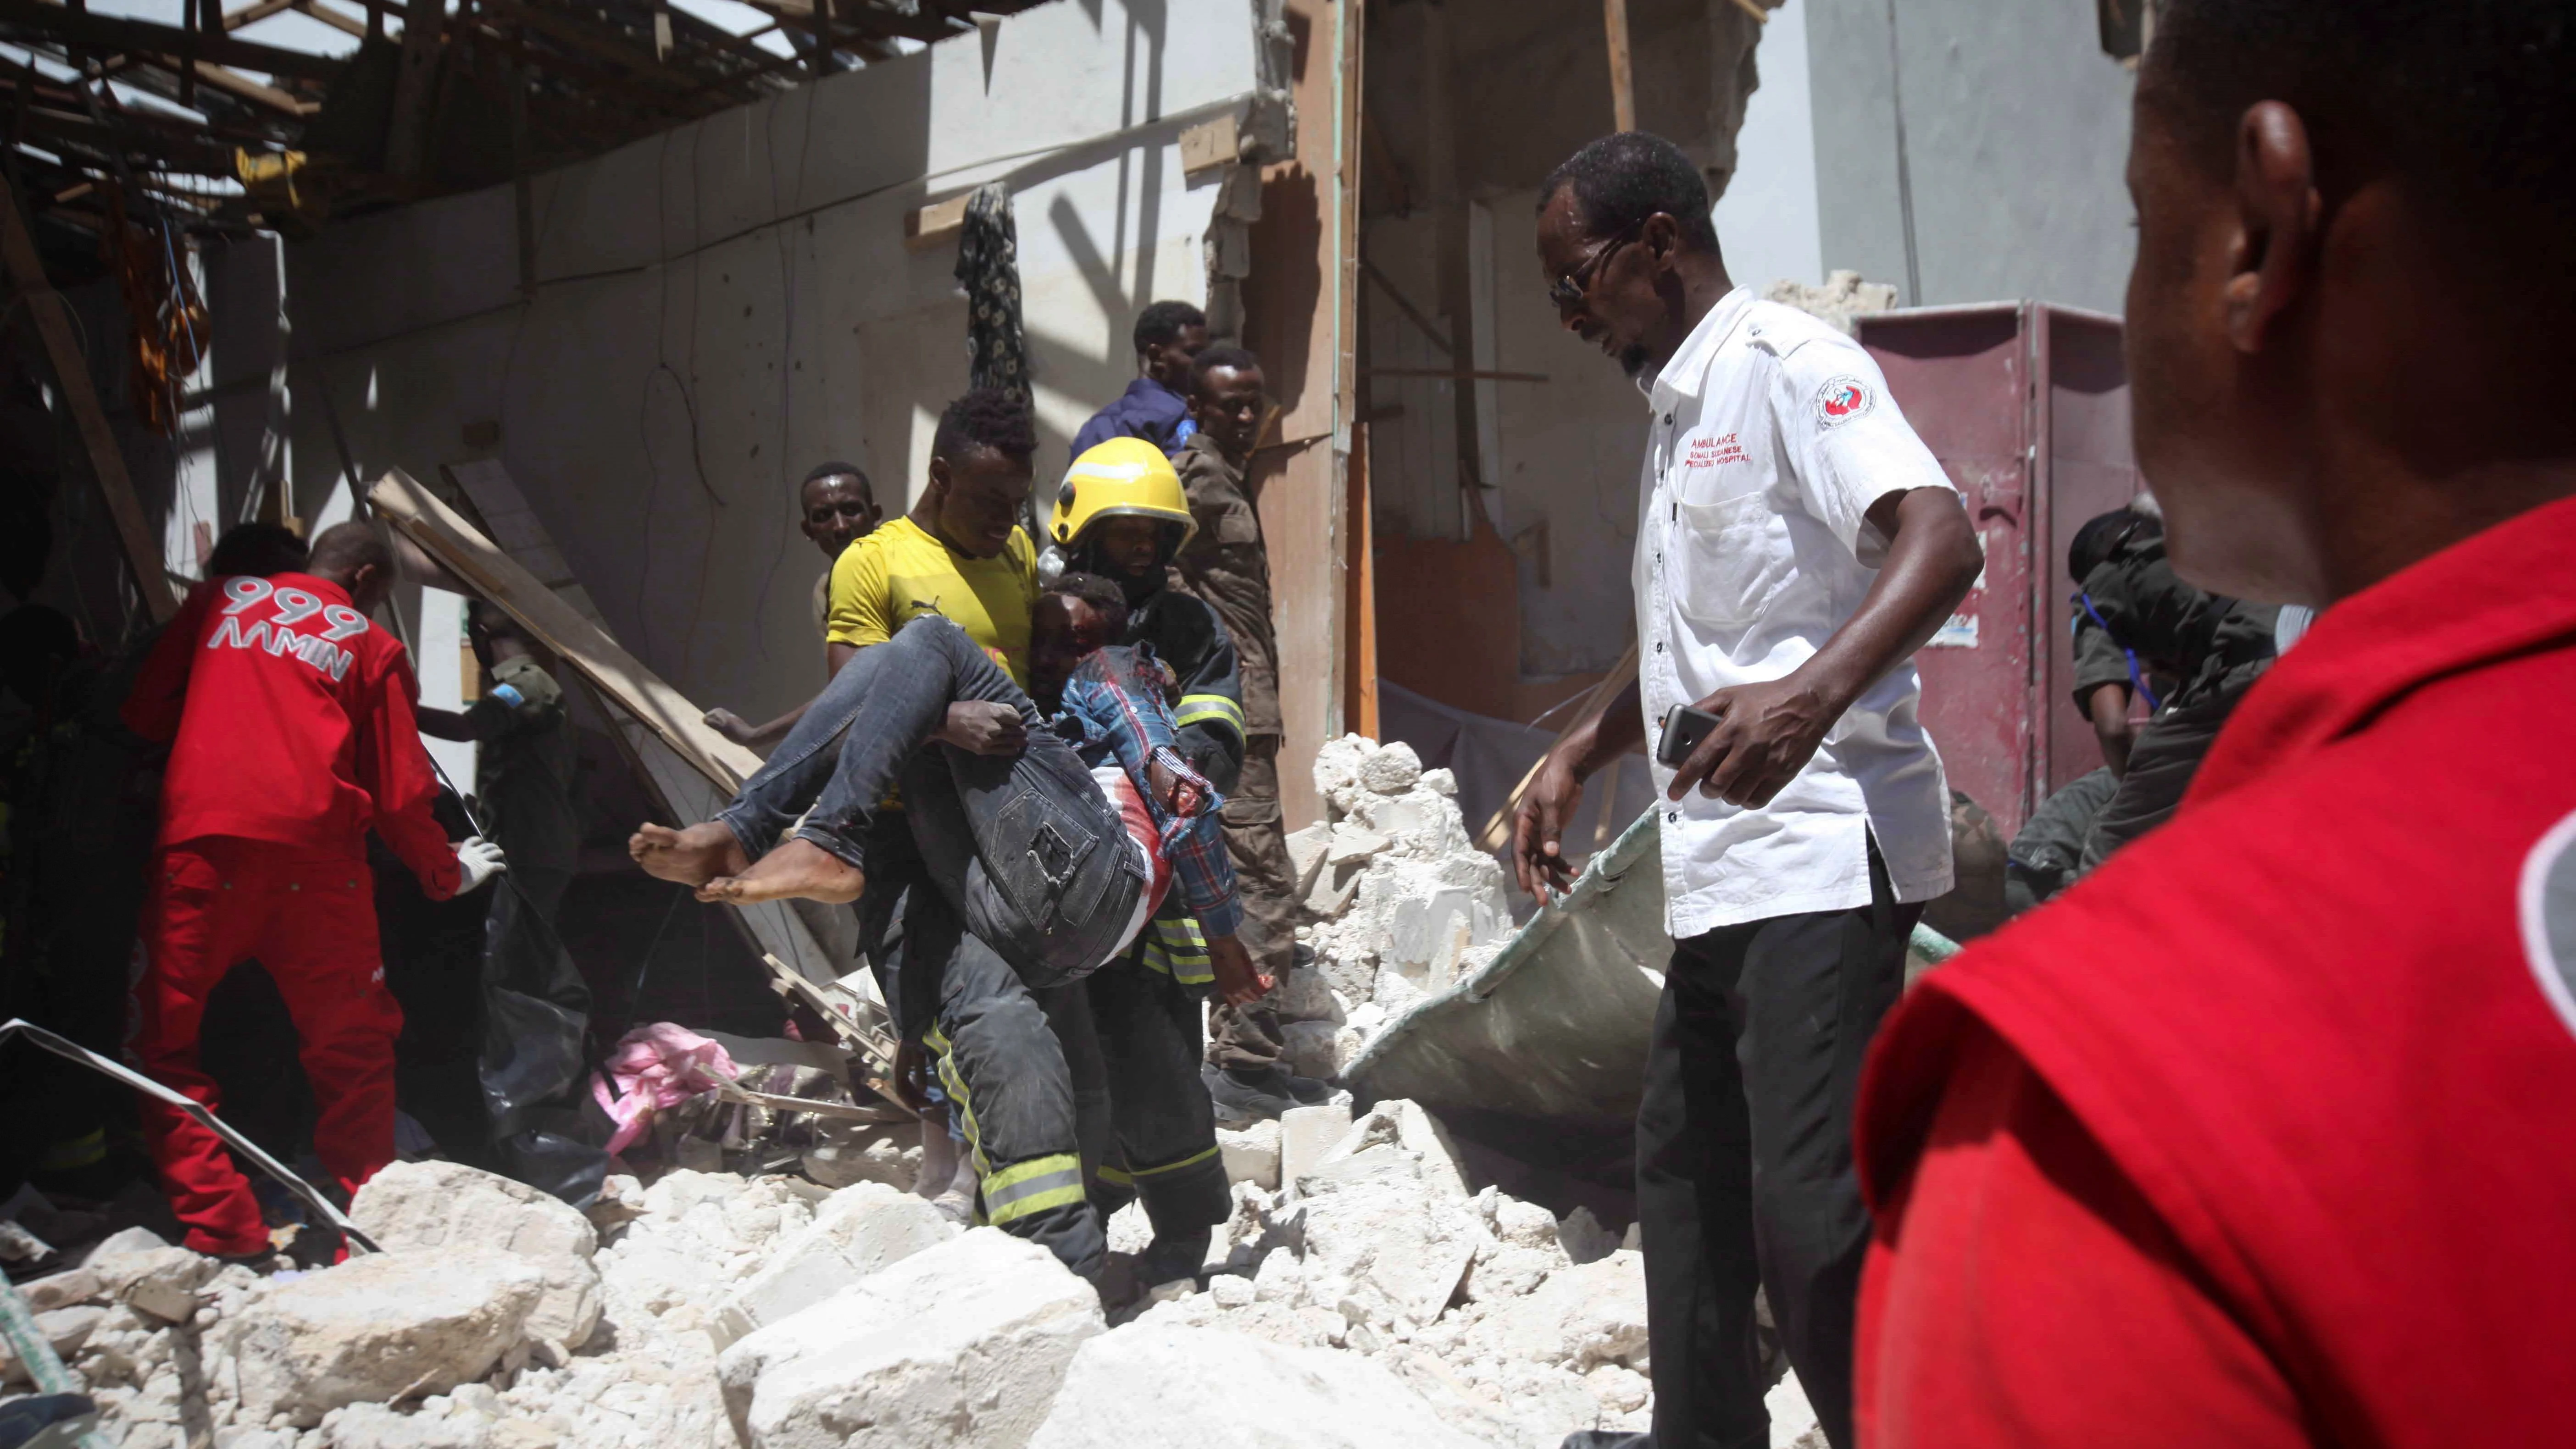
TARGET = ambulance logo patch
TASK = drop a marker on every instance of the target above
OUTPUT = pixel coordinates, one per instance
(1842, 400)
(2548, 908)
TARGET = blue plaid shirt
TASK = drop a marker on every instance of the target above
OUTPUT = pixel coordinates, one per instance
(1113, 707)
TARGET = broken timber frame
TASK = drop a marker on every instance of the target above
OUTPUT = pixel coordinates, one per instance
(688, 765)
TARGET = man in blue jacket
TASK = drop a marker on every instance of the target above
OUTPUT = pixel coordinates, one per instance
(1156, 406)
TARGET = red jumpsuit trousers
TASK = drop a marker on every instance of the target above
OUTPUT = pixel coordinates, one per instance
(215, 902)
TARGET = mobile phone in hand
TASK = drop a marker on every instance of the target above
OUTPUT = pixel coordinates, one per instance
(1684, 728)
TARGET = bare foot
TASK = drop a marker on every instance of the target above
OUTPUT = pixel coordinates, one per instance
(691, 857)
(798, 868)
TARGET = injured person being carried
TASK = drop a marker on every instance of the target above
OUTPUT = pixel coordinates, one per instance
(1040, 866)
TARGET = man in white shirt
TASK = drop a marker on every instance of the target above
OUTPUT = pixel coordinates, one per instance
(1796, 543)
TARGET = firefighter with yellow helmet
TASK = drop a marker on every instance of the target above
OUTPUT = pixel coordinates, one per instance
(1121, 514)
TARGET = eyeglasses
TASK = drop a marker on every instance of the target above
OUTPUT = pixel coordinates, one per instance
(1568, 291)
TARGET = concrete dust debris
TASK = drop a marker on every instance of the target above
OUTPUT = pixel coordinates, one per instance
(1404, 904)
(1365, 1287)
(1843, 300)
(1171, 1385)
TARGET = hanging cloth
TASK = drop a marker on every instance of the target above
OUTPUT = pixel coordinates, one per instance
(988, 266)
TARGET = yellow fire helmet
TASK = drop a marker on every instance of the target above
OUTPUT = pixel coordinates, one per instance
(1120, 477)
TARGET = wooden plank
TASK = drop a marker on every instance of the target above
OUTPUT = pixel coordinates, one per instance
(1211, 143)
(235, 83)
(476, 560)
(81, 27)
(71, 373)
(344, 24)
(1623, 77)
(253, 14)
(940, 221)
(820, 939)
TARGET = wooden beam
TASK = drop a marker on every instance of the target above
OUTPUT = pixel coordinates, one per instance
(344, 24)
(81, 27)
(71, 373)
(1623, 79)
(253, 14)
(457, 547)
(940, 221)
(233, 82)
(415, 91)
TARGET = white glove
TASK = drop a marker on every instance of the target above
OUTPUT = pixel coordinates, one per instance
(478, 860)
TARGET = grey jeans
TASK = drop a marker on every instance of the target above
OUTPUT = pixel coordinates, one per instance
(1025, 848)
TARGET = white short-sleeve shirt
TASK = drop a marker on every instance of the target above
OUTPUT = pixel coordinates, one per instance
(1772, 434)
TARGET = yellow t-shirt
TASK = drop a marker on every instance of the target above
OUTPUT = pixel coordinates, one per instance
(899, 573)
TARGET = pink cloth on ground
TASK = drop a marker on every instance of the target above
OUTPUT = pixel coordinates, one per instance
(654, 1066)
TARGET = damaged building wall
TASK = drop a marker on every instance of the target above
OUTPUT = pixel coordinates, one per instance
(703, 316)
(2014, 139)
(1503, 505)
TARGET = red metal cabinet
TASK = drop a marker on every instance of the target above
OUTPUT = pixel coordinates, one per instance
(2027, 406)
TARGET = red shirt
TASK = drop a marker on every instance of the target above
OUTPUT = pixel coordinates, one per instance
(2266, 1132)
(290, 716)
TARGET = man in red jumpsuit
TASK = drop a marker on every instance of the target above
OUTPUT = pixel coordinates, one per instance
(290, 719)
(2265, 1134)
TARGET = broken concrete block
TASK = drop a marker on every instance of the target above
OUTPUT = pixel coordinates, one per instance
(620, 1200)
(1305, 1135)
(676, 1192)
(1251, 1155)
(1337, 763)
(1308, 1048)
(160, 1282)
(567, 1313)
(1153, 1385)
(962, 1345)
(1526, 1225)
(1511, 1273)
(127, 1240)
(849, 1163)
(1580, 1318)
(1231, 1290)
(1354, 845)
(1280, 1279)
(380, 1326)
(1306, 848)
(1440, 782)
(861, 1230)
(62, 1290)
(434, 1205)
(378, 1426)
(1404, 1125)
(1399, 1247)
(1583, 1237)
(1391, 770)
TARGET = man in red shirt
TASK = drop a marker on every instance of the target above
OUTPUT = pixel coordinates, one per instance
(2261, 1135)
(291, 728)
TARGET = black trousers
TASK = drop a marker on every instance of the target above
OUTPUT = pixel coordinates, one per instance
(2162, 762)
(1744, 1160)
(1164, 1126)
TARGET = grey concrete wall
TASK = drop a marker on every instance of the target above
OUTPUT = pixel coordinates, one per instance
(721, 307)
(2016, 131)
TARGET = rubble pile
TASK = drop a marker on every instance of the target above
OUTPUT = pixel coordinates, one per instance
(1401, 901)
(1362, 1295)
